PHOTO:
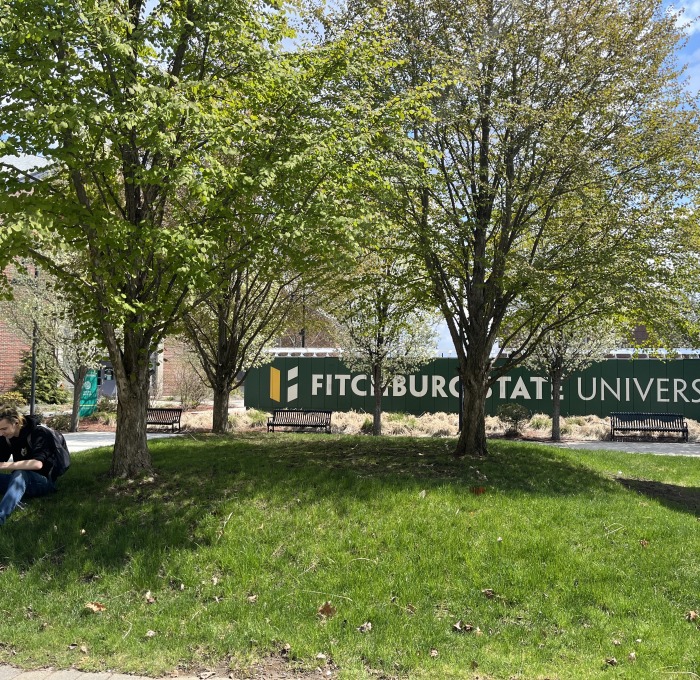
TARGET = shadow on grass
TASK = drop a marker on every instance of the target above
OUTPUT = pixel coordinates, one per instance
(96, 523)
(675, 497)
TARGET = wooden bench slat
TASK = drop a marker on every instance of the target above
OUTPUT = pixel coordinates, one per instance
(299, 418)
(164, 416)
(648, 422)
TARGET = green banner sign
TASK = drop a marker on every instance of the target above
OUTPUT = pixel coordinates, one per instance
(648, 385)
(88, 394)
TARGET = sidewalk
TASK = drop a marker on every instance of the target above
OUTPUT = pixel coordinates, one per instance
(12, 673)
(81, 441)
(658, 448)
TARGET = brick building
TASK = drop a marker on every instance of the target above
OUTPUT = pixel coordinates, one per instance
(12, 347)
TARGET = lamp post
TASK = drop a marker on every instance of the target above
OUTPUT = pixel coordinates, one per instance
(35, 344)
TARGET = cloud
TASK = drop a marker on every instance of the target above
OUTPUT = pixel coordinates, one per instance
(24, 162)
(688, 17)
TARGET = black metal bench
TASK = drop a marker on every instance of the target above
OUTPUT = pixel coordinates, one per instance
(164, 416)
(300, 419)
(648, 422)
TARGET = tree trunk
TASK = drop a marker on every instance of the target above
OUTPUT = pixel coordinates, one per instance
(472, 438)
(377, 385)
(220, 416)
(78, 379)
(556, 407)
(474, 367)
(131, 457)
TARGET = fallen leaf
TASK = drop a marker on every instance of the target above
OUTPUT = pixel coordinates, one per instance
(327, 610)
(434, 653)
(410, 609)
(632, 656)
(617, 643)
(206, 674)
(84, 649)
(151, 633)
(149, 597)
(83, 532)
(462, 627)
(365, 627)
(95, 607)
(422, 494)
(252, 598)
(321, 656)
(488, 593)
(644, 543)
(691, 616)
(72, 645)
(286, 648)
(612, 661)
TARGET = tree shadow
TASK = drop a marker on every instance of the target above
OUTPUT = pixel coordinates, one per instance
(97, 523)
(673, 496)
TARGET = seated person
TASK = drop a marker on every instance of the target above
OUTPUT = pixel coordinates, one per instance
(32, 470)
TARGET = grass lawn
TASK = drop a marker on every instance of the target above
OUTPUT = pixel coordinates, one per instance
(556, 570)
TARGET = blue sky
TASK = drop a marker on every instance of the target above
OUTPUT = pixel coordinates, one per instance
(690, 54)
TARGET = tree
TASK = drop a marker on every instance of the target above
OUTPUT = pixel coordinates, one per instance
(555, 165)
(230, 330)
(283, 215)
(48, 379)
(141, 111)
(39, 311)
(384, 331)
(571, 348)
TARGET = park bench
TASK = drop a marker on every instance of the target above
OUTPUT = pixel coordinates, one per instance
(299, 418)
(648, 422)
(164, 416)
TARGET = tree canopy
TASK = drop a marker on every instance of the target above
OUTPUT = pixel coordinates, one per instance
(558, 162)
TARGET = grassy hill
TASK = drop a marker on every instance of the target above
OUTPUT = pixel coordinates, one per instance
(366, 558)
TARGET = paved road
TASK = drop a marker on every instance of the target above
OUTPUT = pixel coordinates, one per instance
(658, 448)
(81, 441)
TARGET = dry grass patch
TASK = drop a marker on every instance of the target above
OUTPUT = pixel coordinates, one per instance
(538, 426)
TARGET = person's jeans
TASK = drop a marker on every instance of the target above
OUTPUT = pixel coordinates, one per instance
(18, 484)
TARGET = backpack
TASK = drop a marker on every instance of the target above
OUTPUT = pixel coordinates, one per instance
(56, 443)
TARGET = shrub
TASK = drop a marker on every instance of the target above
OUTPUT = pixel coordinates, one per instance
(15, 399)
(191, 389)
(367, 425)
(59, 421)
(256, 418)
(106, 405)
(513, 415)
(104, 417)
(540, 421)
(48, 378)
(235, 422)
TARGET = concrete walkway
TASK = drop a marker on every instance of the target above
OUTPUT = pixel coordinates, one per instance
(658, 448)
(81, 441)
(12, 673)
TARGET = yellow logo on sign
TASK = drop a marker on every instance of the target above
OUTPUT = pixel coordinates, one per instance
(275, 384)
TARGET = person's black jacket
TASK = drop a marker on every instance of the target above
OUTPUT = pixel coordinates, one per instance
(32, 443)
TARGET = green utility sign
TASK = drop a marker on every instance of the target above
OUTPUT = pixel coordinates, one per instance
(647, 385)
